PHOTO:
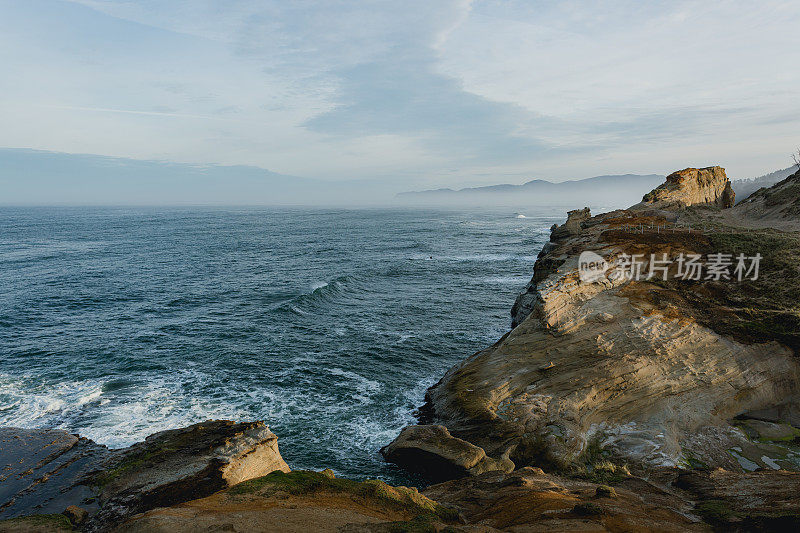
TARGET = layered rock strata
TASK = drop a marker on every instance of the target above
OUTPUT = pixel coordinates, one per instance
(48, 471)
(693, 186)
(649, 372)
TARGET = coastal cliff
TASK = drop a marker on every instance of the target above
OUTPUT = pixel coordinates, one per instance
(639, 373)
(650, 372)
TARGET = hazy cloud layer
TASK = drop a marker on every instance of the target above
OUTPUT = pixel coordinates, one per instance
(419, 93)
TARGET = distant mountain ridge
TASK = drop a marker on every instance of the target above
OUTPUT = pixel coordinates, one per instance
(746, 187)
(615, 189)
(40, 177)
(621, 189)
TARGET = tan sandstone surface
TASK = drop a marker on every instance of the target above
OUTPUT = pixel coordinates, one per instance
(645, 374)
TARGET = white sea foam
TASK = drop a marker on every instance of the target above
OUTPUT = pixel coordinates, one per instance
(505, 280)
(402, 337)
(363, 385)
(91, 396)
(476, 257)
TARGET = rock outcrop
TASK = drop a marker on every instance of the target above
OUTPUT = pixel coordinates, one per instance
(431, 451)
(573, 224)
(669, 500)
(530, 500)
(48, 471)
(646, 372)
(184, 464)
(692, 186)
(43, 471)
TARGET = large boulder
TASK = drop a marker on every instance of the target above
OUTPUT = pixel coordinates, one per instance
(573, 224)
(693, 186)
(178, 465)
(430, 450)
(47, 471)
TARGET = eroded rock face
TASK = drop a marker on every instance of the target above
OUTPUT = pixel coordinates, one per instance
(652, 374)
(573, 224)
(759, 501)
(530, 500)
(430, 450)
(48, 471)
(692, 186)
(184, 464)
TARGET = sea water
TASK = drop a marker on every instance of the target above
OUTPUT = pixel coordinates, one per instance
(328, 324)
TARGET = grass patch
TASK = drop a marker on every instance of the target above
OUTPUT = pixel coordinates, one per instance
(42, 522)
(587, 509)
(604, 491)
(595, 466)
(419, 524)
(750, 311)
(692, 461)
(715, 512)
(304, 482)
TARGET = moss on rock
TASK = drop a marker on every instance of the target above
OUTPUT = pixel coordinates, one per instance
(304, 482)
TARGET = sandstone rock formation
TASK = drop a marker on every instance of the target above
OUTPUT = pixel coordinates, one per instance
(530, 500)
(692, 186)
(653, 373)
(573, 224)
(430, 450)
(49, 470)
(183, 464)
(524, 500)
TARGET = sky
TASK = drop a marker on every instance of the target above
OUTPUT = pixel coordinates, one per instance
(411, 94)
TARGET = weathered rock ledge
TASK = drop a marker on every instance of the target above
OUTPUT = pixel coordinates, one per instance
(214, 476)
(644, 374)
(47, 471)
(527, 499)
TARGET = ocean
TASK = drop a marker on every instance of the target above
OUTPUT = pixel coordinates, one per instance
(328, 324)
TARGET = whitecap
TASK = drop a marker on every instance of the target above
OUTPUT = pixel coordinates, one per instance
(362, 384)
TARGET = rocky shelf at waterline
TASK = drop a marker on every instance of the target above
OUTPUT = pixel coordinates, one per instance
(226, 476)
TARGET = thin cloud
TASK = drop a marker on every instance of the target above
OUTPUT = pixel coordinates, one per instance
(451, 92)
